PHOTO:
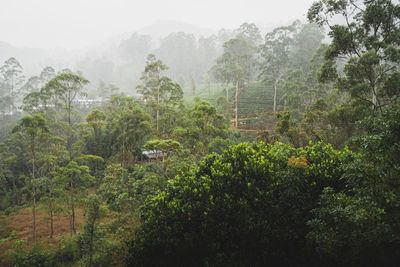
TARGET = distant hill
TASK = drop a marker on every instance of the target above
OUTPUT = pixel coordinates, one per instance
(162, 28)
(33, 60)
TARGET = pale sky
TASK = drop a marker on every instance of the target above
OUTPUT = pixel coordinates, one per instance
(80, 23)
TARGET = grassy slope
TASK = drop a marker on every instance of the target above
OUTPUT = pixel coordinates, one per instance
(18, 226)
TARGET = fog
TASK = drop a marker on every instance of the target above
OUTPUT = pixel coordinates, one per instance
(108, 41)
(76, 24)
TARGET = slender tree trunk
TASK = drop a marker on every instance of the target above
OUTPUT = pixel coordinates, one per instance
(73, 228)
(374, 101)
(236, 103)
(12, 93)
(275, 89)
(51, 212)
(91, 234)
(69, 141)
(34, 217)
(34, 189)
(157, 116)
(227, 93)
(158, 109)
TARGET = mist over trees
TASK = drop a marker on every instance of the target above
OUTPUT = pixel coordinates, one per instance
(236, 148)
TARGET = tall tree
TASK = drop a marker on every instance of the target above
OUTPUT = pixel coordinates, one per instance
(13, 77)
(233, 65)
(46, 75)
(160, 92)
(275, 54)
(64, 89)
(76, 178)
(237, 64)
(130, 130)
(67, 87)
(369, 40)
(32, 128)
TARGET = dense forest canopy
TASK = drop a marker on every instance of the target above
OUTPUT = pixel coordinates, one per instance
(241, 148)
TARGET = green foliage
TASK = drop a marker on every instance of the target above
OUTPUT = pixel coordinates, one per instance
(93, 241)
(35, 257)
(161, 94)
(130, 130)
(288, 128)
(11, 81)
(116, 188)
(166, 147)
(366, 213)
(369, 40)
(246, 207)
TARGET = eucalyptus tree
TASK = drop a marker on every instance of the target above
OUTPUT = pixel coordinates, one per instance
(31, 85)
(96, 120)
(53, 157)
(250, 33)
(368, 39)
(237, 64)
(232, 67)
(130, 129)
(180, 53)
(76, 178)
(62, 91)
(13, 79)
(32, 129)
(208, 123)
(160, 93)
(66, 87)
(46, 75)
(275, 56)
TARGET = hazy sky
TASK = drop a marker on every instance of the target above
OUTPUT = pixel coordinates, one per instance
(79, 23)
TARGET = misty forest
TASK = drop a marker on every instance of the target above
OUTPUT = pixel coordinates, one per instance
(252, 146)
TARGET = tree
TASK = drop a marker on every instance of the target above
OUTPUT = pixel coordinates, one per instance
(33, 127)
(66, 87)
(130, 131)
(248, 206)
(75, 177)
(92, 239)
(366, 213)
(252, 36)
(53, 157)
(179, 52)
(13, 79)
(233, 67)
(210, 124)
(96, 121)
(46, 75)
(160, 92)
(306, 42)
(275, 53)
(238, 61)
(368, 40)
(32, 85)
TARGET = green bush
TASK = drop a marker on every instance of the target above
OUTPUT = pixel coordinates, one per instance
(36, 256)
(248, 206)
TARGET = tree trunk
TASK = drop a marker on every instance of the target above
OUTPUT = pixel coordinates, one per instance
(34, 217)
(158, 110)
(51, 212)
(275, 88)
(69, 141)
(157, 116)
(33, 189)
(73, 228)
(236, 104)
